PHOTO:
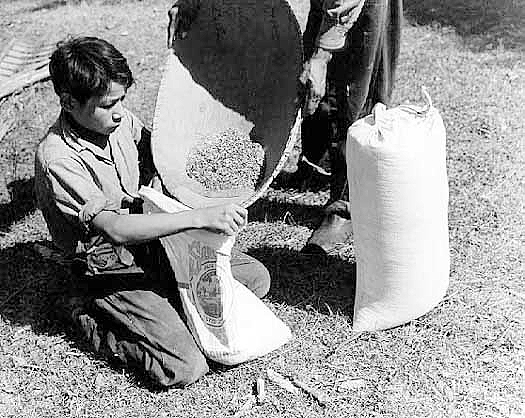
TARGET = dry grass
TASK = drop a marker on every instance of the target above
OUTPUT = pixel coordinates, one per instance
(464, 359)
(483, 24)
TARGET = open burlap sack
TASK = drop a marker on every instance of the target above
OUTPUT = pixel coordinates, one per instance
(238, 68)
(229, 323)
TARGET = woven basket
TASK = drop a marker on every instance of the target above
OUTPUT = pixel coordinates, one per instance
(238, 68)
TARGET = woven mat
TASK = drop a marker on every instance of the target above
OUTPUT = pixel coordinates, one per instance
(22, 64)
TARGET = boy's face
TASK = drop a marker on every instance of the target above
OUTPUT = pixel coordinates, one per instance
(101, 114)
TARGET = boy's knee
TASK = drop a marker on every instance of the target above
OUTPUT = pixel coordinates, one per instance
(179, 372)
(193, 368)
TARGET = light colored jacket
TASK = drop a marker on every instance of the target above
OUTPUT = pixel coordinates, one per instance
(74, 180)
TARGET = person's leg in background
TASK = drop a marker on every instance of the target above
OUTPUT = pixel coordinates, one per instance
(335, 226)
(310, 174)
(360, 76)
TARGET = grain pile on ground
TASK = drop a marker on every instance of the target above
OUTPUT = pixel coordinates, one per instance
(228, 160)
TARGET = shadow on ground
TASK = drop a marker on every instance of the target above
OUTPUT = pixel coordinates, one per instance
(32, 289)
(34, 292)
(297, 213)
(323, 283)
(48, 5)
(21, 203)
(484, 24)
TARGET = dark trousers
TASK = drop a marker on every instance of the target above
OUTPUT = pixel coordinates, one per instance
(359, 76)
(139, 321)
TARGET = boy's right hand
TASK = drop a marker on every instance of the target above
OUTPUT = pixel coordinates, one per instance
(226, 219)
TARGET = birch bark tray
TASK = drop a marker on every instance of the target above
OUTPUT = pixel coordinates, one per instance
(238, 69)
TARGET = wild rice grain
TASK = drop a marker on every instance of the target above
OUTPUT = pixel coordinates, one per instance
(225, 161)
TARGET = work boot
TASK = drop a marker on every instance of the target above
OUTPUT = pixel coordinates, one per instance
(336, 228)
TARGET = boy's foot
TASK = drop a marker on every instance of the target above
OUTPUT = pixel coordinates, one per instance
(98, 339)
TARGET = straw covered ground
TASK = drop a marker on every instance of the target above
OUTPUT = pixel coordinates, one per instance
(464, 359)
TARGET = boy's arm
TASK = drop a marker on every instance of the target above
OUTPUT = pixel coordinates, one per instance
(77, 196)
(132, 229)
(74, 192)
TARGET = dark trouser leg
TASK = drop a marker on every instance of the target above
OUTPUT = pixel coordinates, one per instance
(315, 133)
(359, 76)
(313, 128)
(146, 333)
(362, 75)
(335, 227)
(140, 321)
(367, 64)
(314, 141)
(314, 145)
(313, 25)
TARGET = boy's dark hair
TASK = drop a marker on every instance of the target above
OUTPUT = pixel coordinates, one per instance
(84, 67)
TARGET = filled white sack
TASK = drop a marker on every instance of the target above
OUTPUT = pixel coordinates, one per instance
(230, 324)
(399, 203)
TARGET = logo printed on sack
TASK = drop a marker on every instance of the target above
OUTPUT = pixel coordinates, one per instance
(208, 294)
(204, 283)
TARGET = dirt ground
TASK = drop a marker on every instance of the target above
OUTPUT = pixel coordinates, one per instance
(465, 358)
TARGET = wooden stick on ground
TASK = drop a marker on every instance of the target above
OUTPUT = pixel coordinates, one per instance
(321, 397)
(281, 381)
(246, 406)
(291, 384)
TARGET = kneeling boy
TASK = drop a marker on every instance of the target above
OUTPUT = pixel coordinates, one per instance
(87, 173)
